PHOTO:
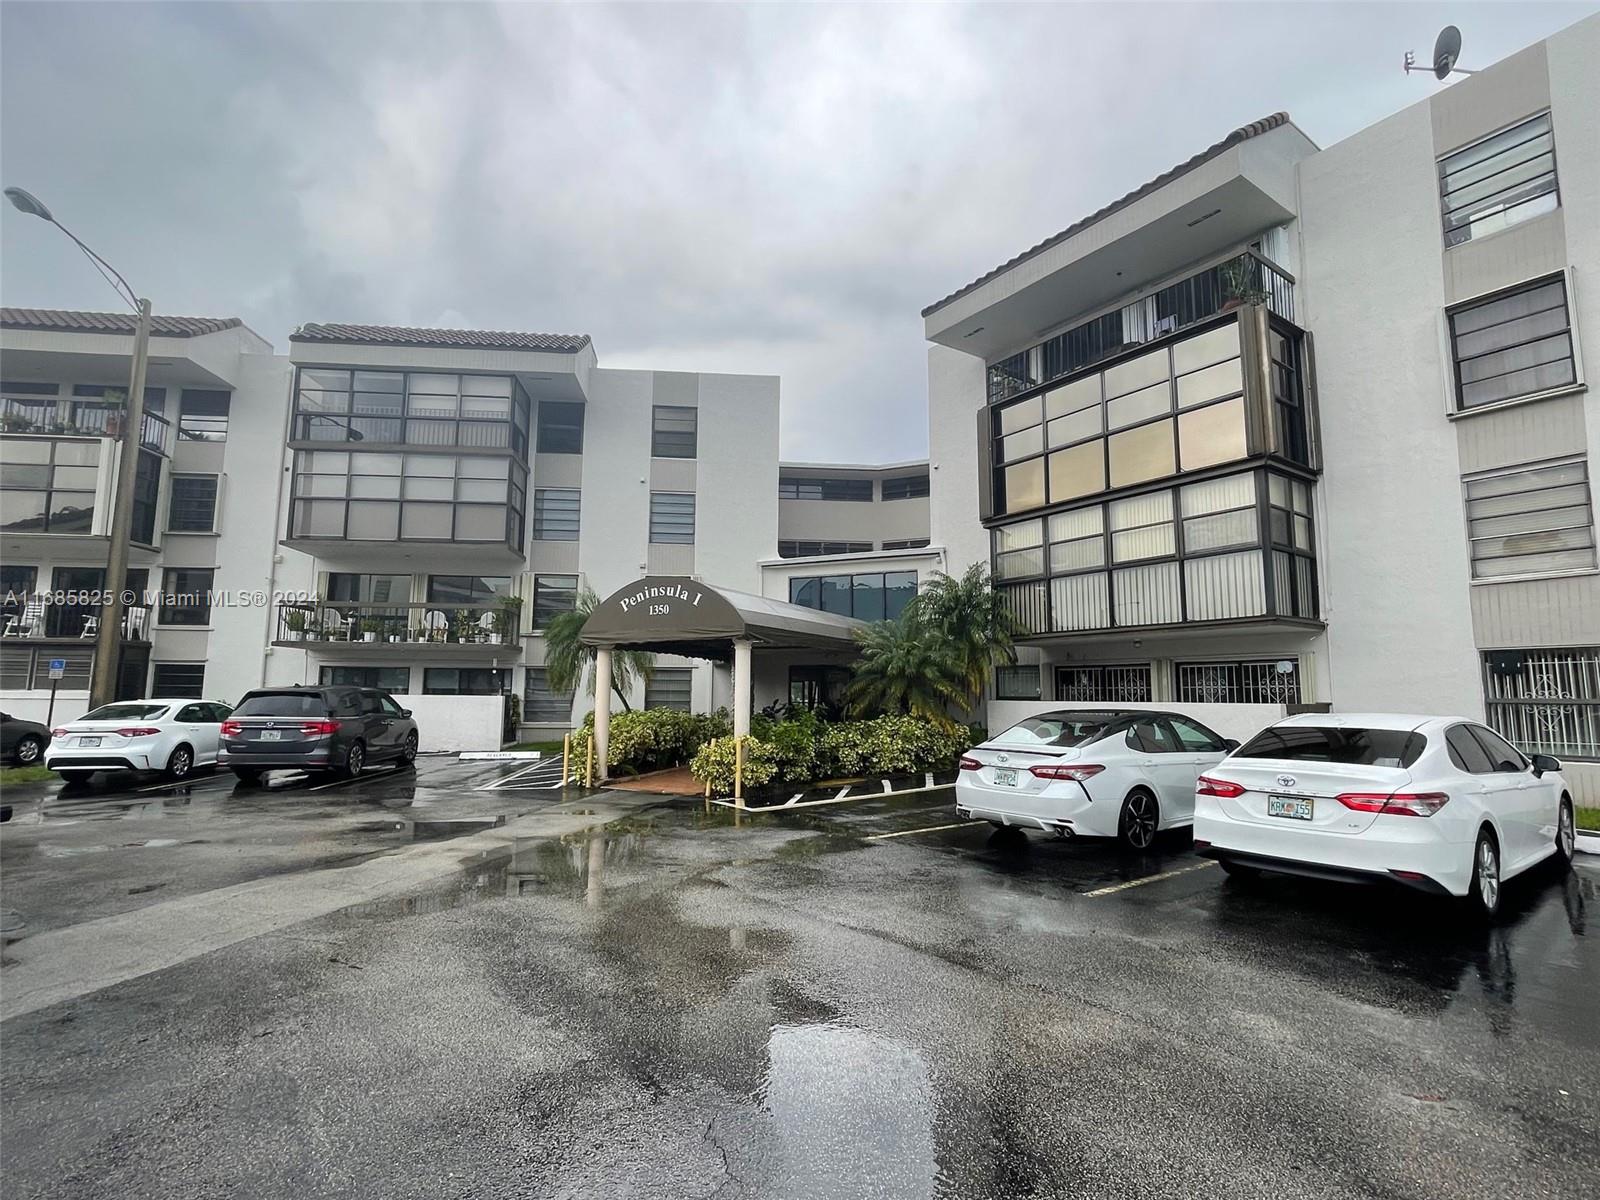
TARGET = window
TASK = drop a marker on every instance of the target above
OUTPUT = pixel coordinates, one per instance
(794, 487)
(1239, 683)
(1016, 683)
(79, 667)
(1531, 521)
(1517, 343)
(186, 596)
(1337, 744)
(386, 679)
(1546, 700)
(370, 589)
(818, 687)
(192, 507)
(672, 518)
(47, 486)
(906, 544)
(1105, 685)
(146, 493)
(1151, 736)
(555, 514)
(673, 431)
(1499, 181)
(467, 589)
(874, 596)
(17, 585)
(814, 549)
(541, 705)
(1193, 737)
(462, 681)
(419, 408)
(905, 487)
(553, 595)
(669, 688)
(177, 681)
(560, 427)
(203, 416)
(373, 496)
(1467, 752)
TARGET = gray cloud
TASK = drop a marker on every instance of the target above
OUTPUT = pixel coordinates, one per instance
(765, 188)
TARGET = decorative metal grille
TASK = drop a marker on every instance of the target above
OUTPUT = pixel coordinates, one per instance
(1546, 700)
(1104, 685)
(1238, 683)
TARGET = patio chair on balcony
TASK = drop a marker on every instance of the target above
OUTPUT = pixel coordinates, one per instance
(25, 623)
(437, 625)
(336, 626)
(486, 627)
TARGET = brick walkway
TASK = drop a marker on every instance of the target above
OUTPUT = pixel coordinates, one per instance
(674, 781)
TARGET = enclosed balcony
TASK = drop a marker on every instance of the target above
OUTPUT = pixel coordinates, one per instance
(392, 409)
(485, 631)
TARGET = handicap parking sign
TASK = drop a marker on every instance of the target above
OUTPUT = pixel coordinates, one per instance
(58, 668)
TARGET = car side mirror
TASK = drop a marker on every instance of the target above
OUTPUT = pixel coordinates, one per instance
(1543, 763)
(405, 712)
(1230, 744)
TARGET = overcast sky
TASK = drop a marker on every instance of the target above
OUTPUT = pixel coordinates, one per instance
(776, 189)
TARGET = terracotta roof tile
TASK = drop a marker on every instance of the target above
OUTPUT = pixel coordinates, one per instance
(60, 320)
(441, 339)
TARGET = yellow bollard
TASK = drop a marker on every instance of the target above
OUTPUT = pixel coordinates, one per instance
(566, 758)
(588, 764)
(738, 773)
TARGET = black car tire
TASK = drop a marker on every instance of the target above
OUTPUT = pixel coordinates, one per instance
(27, 750)
(75, 776)
(1140, 821)
(354, 759)
(1566, 834)
(180, 763)
(1483, 893)
(250, 775)
(408, 752)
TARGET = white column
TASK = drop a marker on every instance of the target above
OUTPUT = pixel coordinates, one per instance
(741, 687)
(602, 708)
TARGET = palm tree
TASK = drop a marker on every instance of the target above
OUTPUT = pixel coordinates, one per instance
(976, 622)
(904, 666)
(568, 662)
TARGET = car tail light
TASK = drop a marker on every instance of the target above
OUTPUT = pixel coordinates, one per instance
(138, 731)
(1226, 788)
(1396, 804)
(1201, 844)
(1078, 771)
(232, 729)
(61, 731)
(970, 764)
(319, 728)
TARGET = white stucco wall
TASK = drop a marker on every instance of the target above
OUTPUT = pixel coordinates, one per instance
(454, 722)
(955, 394)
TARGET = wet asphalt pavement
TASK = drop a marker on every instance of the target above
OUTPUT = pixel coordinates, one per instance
(458, 983)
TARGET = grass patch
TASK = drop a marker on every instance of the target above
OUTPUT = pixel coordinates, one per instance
(541, 747)
(1586, 818)
(35, 774)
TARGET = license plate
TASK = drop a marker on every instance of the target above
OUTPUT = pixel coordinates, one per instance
(88, 741)
(1297, 808)
(271, 735)
(1005, 776)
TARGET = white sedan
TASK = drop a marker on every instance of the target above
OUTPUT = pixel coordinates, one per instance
(170, 736)
(1441, 804)
(1122, 773)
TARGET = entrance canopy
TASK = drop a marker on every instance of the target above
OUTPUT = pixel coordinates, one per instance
(672, 614)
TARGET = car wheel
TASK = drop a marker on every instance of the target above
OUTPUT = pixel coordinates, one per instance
(1566, 834)
(180, 763)
(408, 753)
(75, 776)
(250, 775)
(1483, 895)
(354, 759)
(1141, 818)
(1238, 870)
(26, 752)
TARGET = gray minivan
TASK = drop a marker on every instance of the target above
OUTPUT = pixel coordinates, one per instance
(335, 729)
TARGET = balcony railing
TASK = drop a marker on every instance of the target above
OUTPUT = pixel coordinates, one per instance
(39, 619)
(1247, 279)
(342, 621)
(464, 432)
(155, 432)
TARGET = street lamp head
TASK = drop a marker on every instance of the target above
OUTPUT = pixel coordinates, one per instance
(356, 435)
(29, 203)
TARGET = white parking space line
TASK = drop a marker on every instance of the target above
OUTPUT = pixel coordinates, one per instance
(1133, 883)
(543, 775)
(878, 837)
(214, 780)
(369, 774)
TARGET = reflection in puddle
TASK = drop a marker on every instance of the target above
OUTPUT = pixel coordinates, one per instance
(575, 865)
(852, 1113)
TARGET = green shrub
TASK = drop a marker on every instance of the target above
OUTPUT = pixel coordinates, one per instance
(805, 750)
(714, 764)
(653, 738)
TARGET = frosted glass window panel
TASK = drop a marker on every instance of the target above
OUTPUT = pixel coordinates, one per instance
(1025, 485)
(1022, 415)
(1078, 555)
(322, 485)
(374, 521)
(1074, 397)
(1302, 533)
(425, 521)
(1078, 471)
(486, 385)
(1141, 454)
(1221, 529)
(375, 487)
(1212, 435)
(1019, 536)
(1139, 406)
(1147, 595)
(1224, 587)
(1278, 490)
(437, 465)
(1210, 383)
(1218, 495)
(481, 489)
(1153, 541)
(1023, 444)
(1137, 373)
(1141, 510)
(1080, 602)
(481, 523)
(429, 489)
(1074, 427)
(1020, 564)
(1080, 522)
(375, 464)
(321, 518)
(1212, 347)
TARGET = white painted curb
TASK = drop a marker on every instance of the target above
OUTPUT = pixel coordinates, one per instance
(499, 755)
(1587, 843)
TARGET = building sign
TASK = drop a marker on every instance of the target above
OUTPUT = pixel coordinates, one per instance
(661, 601)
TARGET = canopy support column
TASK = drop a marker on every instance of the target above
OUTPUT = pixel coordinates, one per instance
(602, 708)
(741, 687)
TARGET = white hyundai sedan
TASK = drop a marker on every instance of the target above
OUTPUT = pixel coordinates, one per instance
(1440, 804)
(170, 736)
(1122, 773)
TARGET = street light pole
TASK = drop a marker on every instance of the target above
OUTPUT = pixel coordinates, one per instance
(108, 637)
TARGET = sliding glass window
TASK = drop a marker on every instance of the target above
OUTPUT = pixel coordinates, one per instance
(480, 412)
(421, 497)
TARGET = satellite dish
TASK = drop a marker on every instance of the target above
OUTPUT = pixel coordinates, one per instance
(1446, 49)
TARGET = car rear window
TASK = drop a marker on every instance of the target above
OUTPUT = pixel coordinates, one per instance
(125, 712)
(1052, 731)
(282, 704)
(1337, 744)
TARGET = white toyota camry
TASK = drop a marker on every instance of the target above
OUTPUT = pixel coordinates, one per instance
(171, 736)
(1441, 804)
(1122, 773)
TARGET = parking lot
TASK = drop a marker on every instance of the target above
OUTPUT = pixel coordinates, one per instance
(460, 981)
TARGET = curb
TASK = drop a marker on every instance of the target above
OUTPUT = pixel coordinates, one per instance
(1587, 843)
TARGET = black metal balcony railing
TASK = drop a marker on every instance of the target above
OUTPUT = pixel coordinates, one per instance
(39, 618)
(403, 624)
(24, 417)
(1247, 279)
(466, 433)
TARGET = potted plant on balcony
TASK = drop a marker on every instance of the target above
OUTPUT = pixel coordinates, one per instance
(1239, 283)
(508, 619)
(466, 628)
(295, 622)
(369, 629)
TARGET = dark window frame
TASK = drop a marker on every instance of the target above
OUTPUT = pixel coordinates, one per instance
(183, 603)
(905, 487)
(330, 423)
(674, 431)
(836, 488)
(551, 598)
(557, 436)
(667, 512)
(1520, 153)
(1005, 676)
(799, 583)
(174, 501)
(1454, 313)
(191, 689)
